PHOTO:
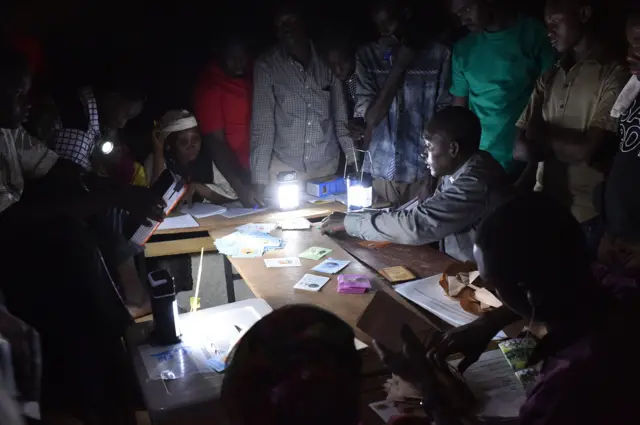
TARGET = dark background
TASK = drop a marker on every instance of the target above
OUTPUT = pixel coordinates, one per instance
(166, 43)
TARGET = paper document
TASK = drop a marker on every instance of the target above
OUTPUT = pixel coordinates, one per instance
(428, 294)
(201, 210)
(178, 222)
(235, 209)
(496, 387)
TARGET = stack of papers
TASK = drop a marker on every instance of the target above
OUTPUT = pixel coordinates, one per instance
(428, 294)
(248, 244)
(178, 222)
(257, 227)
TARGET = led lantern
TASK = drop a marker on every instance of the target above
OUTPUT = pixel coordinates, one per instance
(288, 190)
(359, 184)
(166, 323)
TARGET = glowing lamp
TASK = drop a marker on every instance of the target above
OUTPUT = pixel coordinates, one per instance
(106, 147)
(359, 185)
(288, 190)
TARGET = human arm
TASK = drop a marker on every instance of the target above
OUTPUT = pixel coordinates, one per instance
(459, 84)
(597, 143)
(340, 119)
(444, 97)
(445, 213)
(262, 124)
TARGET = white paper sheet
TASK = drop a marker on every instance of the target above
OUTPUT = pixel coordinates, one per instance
(496, 387)
(178, 222)
(201, 210)
(428, 294)
(235, 209)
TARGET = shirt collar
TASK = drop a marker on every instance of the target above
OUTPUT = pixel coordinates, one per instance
(453, 177)
(288, 57)
(598, 55)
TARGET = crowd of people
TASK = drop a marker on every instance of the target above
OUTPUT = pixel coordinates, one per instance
(516, 136)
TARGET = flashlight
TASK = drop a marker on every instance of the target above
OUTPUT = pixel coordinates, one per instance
(166, 325)
(359, 185)
(106, 147)
(288, 190)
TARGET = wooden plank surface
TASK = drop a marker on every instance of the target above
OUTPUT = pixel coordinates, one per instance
(423, 261)
(216, 222)
(275, 285)
(182, 246)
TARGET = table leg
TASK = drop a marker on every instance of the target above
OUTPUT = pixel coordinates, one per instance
(229, 278)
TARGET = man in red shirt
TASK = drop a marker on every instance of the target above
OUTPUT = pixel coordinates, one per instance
(223, 109)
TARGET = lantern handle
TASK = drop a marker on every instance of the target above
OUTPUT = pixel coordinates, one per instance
(355, 161)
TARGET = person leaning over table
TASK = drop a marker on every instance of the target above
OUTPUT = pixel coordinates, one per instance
(472, 184)
(533, 252)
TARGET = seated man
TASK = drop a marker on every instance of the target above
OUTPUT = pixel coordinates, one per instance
(533, 252)
(54, 276)
(473, 183)
(308, 369)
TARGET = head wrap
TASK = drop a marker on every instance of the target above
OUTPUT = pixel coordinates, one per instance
(175, 120)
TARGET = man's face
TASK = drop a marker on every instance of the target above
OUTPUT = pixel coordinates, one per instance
(236, 60)
(439, 153)
(633, 38)
(341, 64)
(387, 22)
(290, 29)
(14, 101)
(472, 13)
(118, 111)
(565, 23)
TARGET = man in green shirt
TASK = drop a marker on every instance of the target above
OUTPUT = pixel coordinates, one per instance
(494, 70)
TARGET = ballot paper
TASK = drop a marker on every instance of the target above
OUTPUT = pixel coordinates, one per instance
(178, 222)
(282, 262)
(295, 224)
(491, 379)
(331, 266)
(247, 244)
(310, 282)
(428, 294)
(386, 409)
(314, 253)
(257, 227)
(202, 210)
(235, 209)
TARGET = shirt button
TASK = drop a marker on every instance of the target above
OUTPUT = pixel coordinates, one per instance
(308, 105)
(308, 122)
(307, 141)
(562, 106)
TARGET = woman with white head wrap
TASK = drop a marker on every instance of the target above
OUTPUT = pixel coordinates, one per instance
(178, 146)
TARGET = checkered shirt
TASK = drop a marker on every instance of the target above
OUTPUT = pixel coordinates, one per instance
(77, 145)
(396, 142)
(298, 114)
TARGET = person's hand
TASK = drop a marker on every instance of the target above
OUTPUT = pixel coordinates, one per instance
(356, 127)
(141, 202)
(251, 196)
(470, 340)
(633, 58)
(333, 224)
(158, 141)
(25, 354)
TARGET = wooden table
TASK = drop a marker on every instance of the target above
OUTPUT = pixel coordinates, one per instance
(219, 226)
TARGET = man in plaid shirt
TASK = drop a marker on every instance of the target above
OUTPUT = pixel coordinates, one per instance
(398, 90)
(299, 111)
